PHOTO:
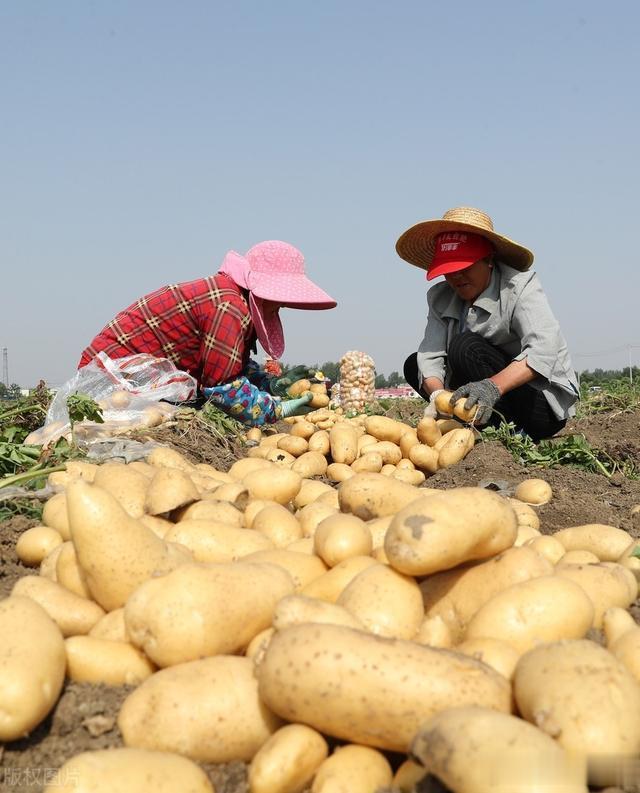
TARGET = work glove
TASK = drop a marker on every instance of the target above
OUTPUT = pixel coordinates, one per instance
(279, 385)
(483, 393)
(296, 407)
(430, 411)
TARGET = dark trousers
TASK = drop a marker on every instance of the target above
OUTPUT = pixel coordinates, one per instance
(471, 358)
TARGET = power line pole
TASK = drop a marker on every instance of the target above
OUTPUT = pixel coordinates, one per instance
(5, 366)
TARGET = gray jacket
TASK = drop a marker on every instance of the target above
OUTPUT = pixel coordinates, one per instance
(514, 315)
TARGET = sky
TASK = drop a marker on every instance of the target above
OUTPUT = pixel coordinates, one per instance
(140, 141)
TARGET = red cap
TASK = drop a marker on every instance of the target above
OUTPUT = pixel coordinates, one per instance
(456, 250)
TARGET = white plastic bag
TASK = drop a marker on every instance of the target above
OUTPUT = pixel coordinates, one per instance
(127, 389)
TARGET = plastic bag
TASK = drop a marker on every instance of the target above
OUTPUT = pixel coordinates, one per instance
(128, 390)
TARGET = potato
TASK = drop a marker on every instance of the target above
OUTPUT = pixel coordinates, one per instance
(385, 429)
(310, 490)
(35, 544)
(208, 710)
(319, 400)
(578, 693)
(202, 610)
(340, 537)
(623, 639)
(454, 446)
(407, 777)
(302, 567)
(605, 586)
(319, 442)
(32, 666)
(129, 771)
(305, 545)
(294, 445)
(278, 524)
(457, 594)
(424, 457)
(80, 469)
(94, 660)
(543, 609)
(139, 466)
(220, 511)
(74, 615)
(235, 493)
(357, 769)
(434, 632)
(329, 585)
(428, 431)
(343, 440)
(276, 484)
(548, 546)
(463, 413)
(303, 429)
(310, 464)
(126, 485)
(577, 557)
(443, 403)
(170, 489)
(257, 647)
(311, 516)
(245, 466)
(111, 627)
(299, 609)
(496, 654)
(369, 496)
(407, 442)
(368, 462)
(288, 760)
(329, 498)
(69, 574)
(299, 387)
(527, 516)
(477, 750)
(389, 452)
(280, 458)
(615, 623)
(347, 683)
(159, 526)
(533, 491)
(48, 565)
(525, 533)
(338, 472)
(164, 457)
(386, 602)
(408, 476)
(607, 542)
(447, 425)
(441, 531)
(54, 515)
(116, 552)
(254, 434)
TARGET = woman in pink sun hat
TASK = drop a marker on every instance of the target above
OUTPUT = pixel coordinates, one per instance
(491, 336)
(209, 327)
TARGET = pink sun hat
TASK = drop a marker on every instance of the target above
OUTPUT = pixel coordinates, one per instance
(273, 271)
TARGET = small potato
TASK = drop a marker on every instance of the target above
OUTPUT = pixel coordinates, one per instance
(409, 476)
(235, 493)
(329, 585)
(69, 574)
(340, 537)
(278, 524)
(368, 462)
(302, 567)
(35, 544)
(129, 771)
(280, 458)
(533, 491)
(338, 472)
(498, 655)
(319, 442)
(428, 431)
(312, 514)
(294, 445)
(164, 457)
(281, 484)
(455, 446)
(407, 442)
(74, 615)
(310, 464)
(288, 760)
(254, 434)
(548, 546)
(54, 515)
(357, 769)
(303, 429)
(462, 413)
(114, 663)
(390, 452)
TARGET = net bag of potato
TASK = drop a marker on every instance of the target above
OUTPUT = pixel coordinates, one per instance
(357, 381)
(129, 390)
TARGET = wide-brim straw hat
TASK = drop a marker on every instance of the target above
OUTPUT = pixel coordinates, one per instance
(417, 244)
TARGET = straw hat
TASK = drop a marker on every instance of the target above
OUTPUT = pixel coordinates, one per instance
(417, 244)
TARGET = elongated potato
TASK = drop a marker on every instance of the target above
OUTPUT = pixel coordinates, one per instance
(443, 403)
(222, 511)
(542, 609)
(115, 663)
(498, 655)
(424, 457)
(340, 537)
(202, 610)
(116, 552)
(288, 760)
(298, 609)
(477, 750)
(126, 485)
(441, 531)
(407, 442)
(302, 567)
(32, 666)
(357, 769)
(455, 445)
(277, 484)
(606, 586)
(457, 594)
(343, 440)
(389, 452)
(69, 574)
(54, 515)
(329, 585)
(371, 496)
(129, 771)
(294, 445)
(208, 710)
(607, 542)
(247, 465)
(581, 695)
(212, 542)
(35, 544)
(346, 683)
(385, 429)
(319, 442)
(577, 557)
(428, 431)
(386, 602)
(74, 615)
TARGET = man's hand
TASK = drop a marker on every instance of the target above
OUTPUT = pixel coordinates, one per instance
(430, 411)
(296, 407)
(483, 393)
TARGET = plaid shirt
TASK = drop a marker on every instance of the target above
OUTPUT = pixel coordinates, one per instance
(204, 327)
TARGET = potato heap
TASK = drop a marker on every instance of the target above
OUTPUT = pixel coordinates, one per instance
(261, 611)
(357, 381)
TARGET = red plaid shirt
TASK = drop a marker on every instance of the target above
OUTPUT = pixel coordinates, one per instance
(204, 327)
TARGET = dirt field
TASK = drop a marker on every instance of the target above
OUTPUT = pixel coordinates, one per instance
(85, 716)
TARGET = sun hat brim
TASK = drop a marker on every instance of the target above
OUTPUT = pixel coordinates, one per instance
(417, 244)
(290, 290)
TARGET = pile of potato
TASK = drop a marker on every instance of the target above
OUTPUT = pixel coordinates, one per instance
(260, 611)
(357, 381)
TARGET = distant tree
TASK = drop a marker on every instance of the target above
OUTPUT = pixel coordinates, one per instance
(394, 380)
(381, 381)
(3, 391)
(331, 370)
(14, 391)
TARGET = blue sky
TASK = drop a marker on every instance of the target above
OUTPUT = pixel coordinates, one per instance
(142, 140)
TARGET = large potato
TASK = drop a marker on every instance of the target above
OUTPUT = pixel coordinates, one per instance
(203, 610)
(74, 615)
(278, 524)
(441, 531)
(125, 484)
(477, 750)
(274, 483)
(287, 762)
(356, 769)
(343, 440)
(212, 541)
(456, 595)
(605, 585)
(385, 429)
(369, 496)
(607, 542)
(369, 689)
(115, 663)
(578, 693)
(32, 666)
(542, 609)
(129, 771)
(341, 537)
(116, 552)
(208, 710)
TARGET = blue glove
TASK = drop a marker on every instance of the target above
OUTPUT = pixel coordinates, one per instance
(483, 393)
(296, 407)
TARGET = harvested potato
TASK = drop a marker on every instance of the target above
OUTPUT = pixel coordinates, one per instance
(294, 445)
(319, 442)
(69, 574)
(276, 484)
(288, 760)
(247, 465)
(49, 563)
(310, 464)
(389, 452)
(208, 710)
(607, 542)
(164, 457)
(111, 626)
(299, 609)
(424, 457)
(170, 489)
(278, 524)
(32, 661)
(533, 491)
(407, 777)
(302, 567)
(443, 403)
(312, 515)
(428, 431)
(35, 544)
(54, 515)
(548, 546)
(527, 516)
(374, 495)
(338, 472)
(367, 462)
(606, 586)
(357, 769)
(220, 511)
(496, 654)
(214, 542)
(385, 429)
(115, 663)
(74, 615)
(310, 490)
(125, 484)
(347, 683)
(329, 585)
(341, 537)
(434, 632)
(343, 440)
(525, 533)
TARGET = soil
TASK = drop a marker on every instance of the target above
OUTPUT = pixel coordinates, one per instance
(85, 716)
